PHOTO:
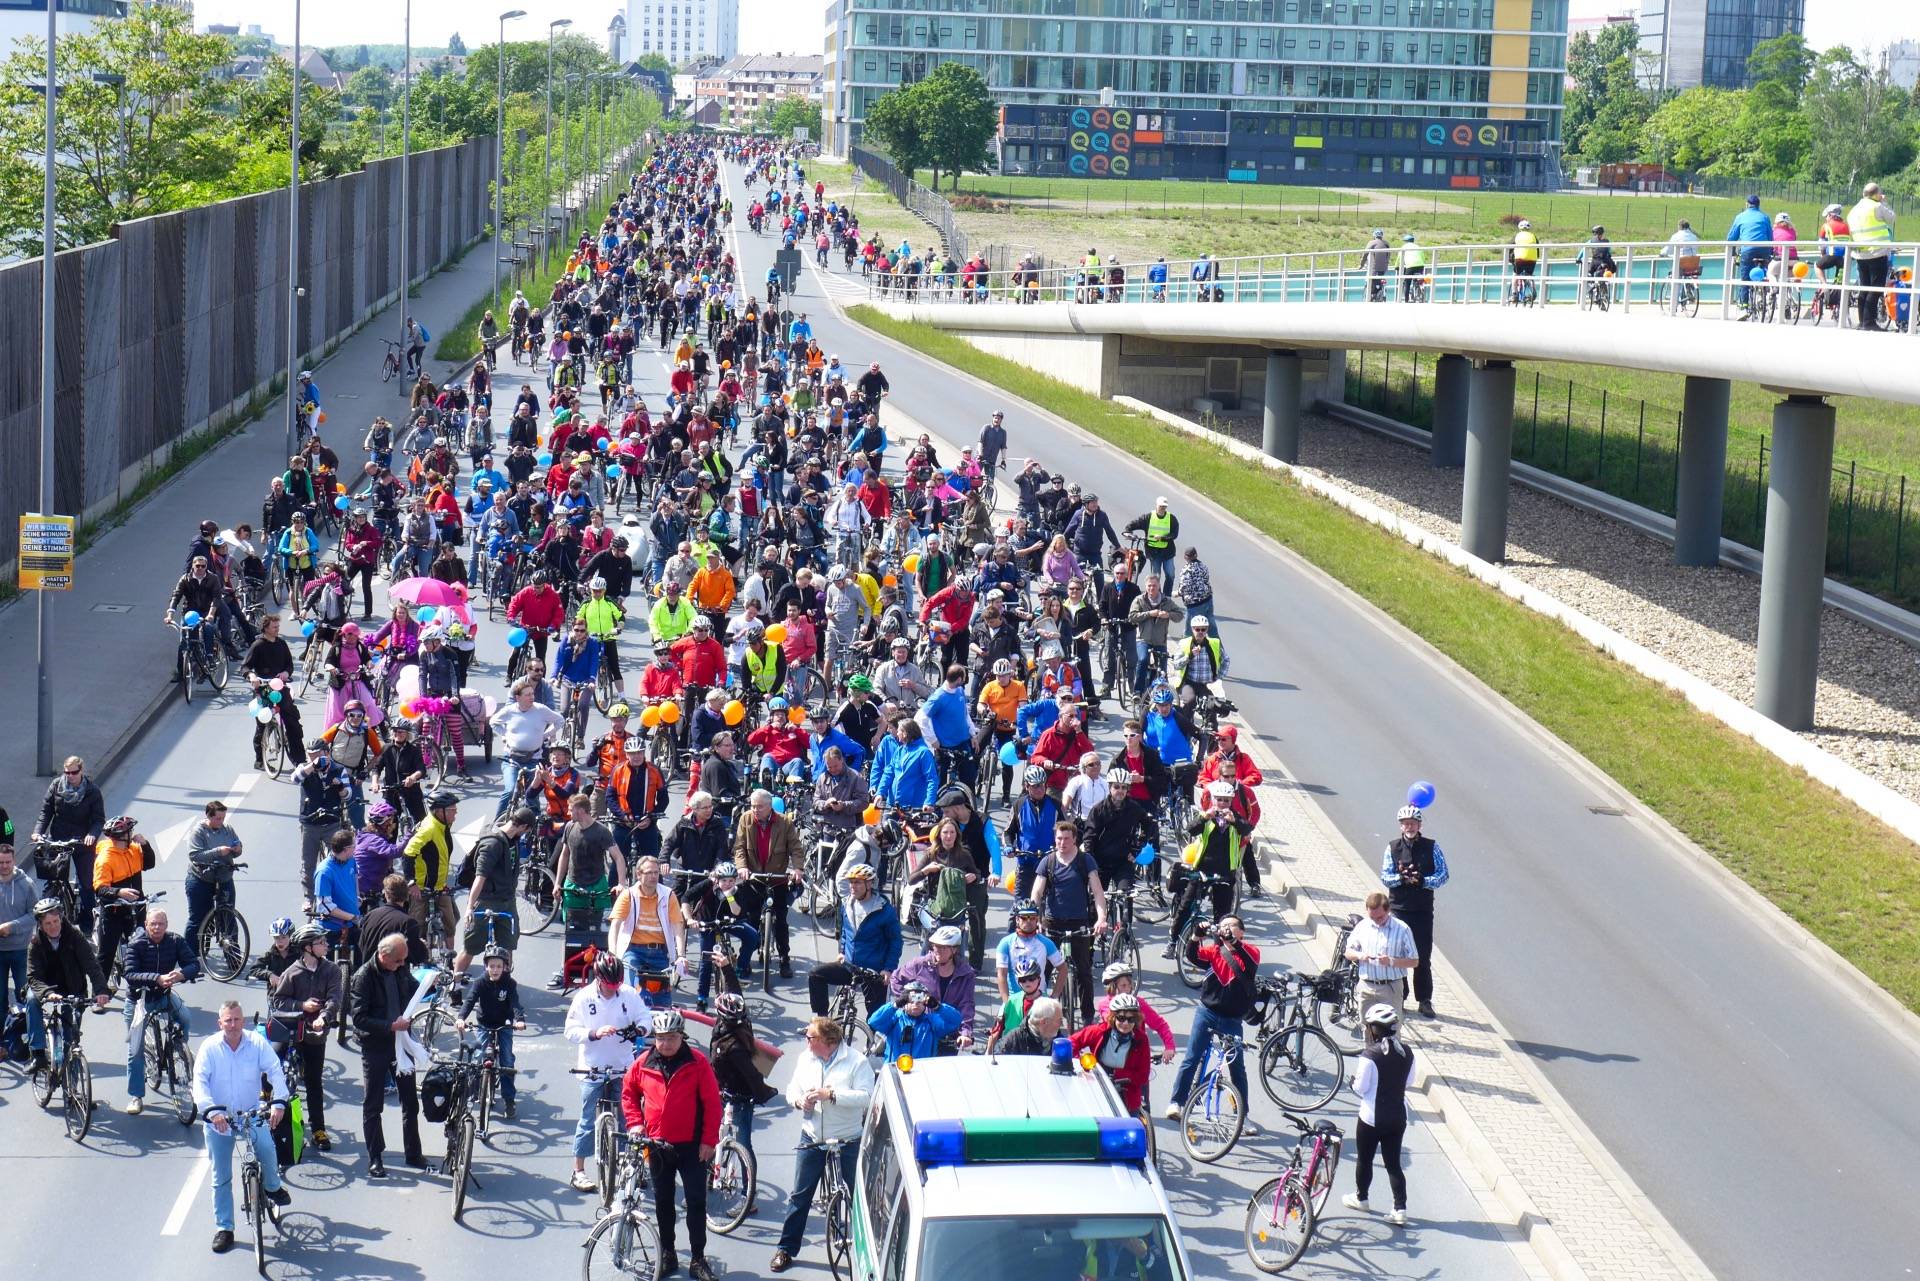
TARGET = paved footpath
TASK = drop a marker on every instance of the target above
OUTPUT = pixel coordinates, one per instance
(112, 657)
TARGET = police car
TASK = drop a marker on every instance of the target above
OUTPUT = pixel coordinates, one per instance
(1015, 1168)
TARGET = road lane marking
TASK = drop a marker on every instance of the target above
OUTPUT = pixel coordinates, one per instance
(174, 836)
(183, 1203)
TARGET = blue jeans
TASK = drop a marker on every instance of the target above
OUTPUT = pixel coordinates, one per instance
(13, 987)
(749, 939)
(1160, 564)
(510, 779)
(1755, 256)
(421, 558)
(647, 956)
(503, 1037)
(809, 1167)
(1142, 673)
(740, 1112)
(159, 1008)
(220, 1153)
(1206, 1025)
(201, 896)
(590, 1092)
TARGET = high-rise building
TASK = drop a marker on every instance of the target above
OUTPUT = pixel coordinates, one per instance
(1903, 63)
(1375, 91)
(683, 31)
(617, 39)
(1688, 43)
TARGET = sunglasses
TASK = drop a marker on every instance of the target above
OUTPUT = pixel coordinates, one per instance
(1029, 978)
(69, 771)
(1126, 1018)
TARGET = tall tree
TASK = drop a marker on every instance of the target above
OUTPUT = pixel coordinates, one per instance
(895, 124)
(1865, 124)
(959, 118)
(139, 122)
(1606, 104)
(782, 115)
(1699, 130)
(456, 47)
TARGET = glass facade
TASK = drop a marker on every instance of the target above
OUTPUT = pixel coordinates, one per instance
(1419, 59)
(1734, 27)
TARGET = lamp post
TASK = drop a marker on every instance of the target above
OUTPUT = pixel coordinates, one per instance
(43, 685)
(406, 188)
(293, 247)
(546, 199)
(500, 141)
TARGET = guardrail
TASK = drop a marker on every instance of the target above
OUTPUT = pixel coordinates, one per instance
(1780, 282)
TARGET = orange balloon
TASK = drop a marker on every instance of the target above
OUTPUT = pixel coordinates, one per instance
(669, 713)
(870, 816)
(777, 633)
(650, 716)
(889, 580)
(321, 416)
(734, 712)
(796, 716)
(339, 488)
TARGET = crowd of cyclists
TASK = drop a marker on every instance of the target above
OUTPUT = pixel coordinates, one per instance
(841, 652)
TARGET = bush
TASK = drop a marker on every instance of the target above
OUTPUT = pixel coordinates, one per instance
(978, 204)
(1511, 220)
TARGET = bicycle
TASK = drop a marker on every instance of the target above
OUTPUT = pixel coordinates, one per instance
(1214, 1113)
(1301, 1067)
(1686, 301)
(608, 1127)
(1281, 1215)
(462, 1124)
(839, 1211)
(254, 1201)
(223, 939)
(390, 364)
(53, 862)
(1189, 918)
(845, 1010)
(1596, 292)
(624, 1243)
(68, 1072)
(201, 658)
(769, 882)
(538, 890)
(1524, 292)
(169, 1060)
(1070, 990)
(733, 1176)
(275, 753)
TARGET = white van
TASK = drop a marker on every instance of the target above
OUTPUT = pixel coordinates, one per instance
(1002, 1169)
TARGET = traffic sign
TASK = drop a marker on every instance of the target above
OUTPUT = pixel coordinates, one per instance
(46, 552)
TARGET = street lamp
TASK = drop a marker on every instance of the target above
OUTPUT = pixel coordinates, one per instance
(406, 186)
(500, 141)
(293, 248)
(43, 686)
(546, 199)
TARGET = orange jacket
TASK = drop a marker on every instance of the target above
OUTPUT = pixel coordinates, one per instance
(113, 864)
(712, 588)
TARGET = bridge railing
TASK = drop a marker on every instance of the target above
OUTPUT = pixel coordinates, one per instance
(1780, 282)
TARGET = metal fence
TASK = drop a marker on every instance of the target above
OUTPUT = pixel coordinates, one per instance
(1630, 448)
(1818, 194)
(177, 323)
(923, 203)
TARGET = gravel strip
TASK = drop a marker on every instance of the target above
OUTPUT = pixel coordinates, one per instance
(1867, 709)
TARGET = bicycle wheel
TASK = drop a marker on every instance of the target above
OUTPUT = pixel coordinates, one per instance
(731, 1181)
(273, 748)
(1192, 972)
(256, 1200)
(1150, 906)
(1279, 1224)
(487, 1088)
(433, 1029)
(79, 1095)
(660, 750)
(218, 668)
(603, 689)
(43, 1081)
(186, 674)
(1210, 1122)
(224, 943)
(808, 688)
(1320, 1187)
(1301, 1069)
(606, 1157)
(1690, 301)
(621, 1246)
(839, 1240)
(541, 898)
(460, 1161)
(179, 1071)
(277, 585)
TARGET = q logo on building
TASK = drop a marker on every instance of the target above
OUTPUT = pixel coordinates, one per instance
(1436, 135)
(1097, 132)
(1489, 135)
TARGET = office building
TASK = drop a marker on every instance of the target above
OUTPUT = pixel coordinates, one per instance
(683, 31)
(1688, 43)
(617, 39)
(1903, 63)
(1369, 82)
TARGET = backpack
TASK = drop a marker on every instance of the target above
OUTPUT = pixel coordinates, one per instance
(331, 606)
(469, 864)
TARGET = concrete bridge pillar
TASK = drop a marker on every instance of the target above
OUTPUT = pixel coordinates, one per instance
(1702, 472)
(1450, 378)
(1793, 571)
(1282, 417)
(1489, 457)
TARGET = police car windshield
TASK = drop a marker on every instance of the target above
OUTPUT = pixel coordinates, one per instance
(1054, 1248)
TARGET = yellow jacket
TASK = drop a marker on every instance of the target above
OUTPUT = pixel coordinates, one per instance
(430, 850)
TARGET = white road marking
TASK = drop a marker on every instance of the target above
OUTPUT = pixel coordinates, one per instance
(183, 1203)
(171, 838)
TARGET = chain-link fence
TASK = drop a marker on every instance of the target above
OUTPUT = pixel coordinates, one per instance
(928, 206)
(1800, 193)
(1630, 448)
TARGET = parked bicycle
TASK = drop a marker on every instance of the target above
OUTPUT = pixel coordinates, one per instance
(1301, 1067)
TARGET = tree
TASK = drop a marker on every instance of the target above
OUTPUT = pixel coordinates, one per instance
(527, 64)
(124, 149)
(456, 47)
(1699, 130)
(1606, 104)
(370, 87)
(1864, 123)
(781, 116)
(960, 119)
(894, 123)
(656, 61)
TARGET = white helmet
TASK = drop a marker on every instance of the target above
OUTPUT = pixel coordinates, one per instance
(1119, 779)
(1220, 790)
(1526, 224)
(597, 583)
(1382, 1015)
(1410, 812)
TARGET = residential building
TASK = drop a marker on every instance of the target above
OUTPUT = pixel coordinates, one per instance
(741, 86)
(683, 31)
(1334, 86)
(27, 19)
(1688, 43)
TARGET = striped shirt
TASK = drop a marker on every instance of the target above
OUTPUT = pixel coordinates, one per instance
(1392, 939)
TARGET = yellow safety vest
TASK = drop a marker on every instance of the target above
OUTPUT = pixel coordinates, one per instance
(762, 670)
(602, 617)
(1413, 256)
(1865, 224)
(1159, 530)
(1526, 247)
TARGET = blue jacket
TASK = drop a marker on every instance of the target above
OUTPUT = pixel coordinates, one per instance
(919, 1037)
(1750, 225)
(876, 944)
(144, 956)
(946, 712)
(579, 666)
(1031, 828)
(912, 777)
(1162, 734)
(336, 883)
(817, 751)
(1036, 718)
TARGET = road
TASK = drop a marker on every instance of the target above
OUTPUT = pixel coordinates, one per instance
(1716, 1066)
(148, 1175)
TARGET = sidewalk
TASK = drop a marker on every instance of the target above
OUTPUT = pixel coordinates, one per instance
(112, 658)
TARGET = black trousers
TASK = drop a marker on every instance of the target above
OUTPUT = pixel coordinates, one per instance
(1079, 952)
(1387, 1142)
(1872, 306)
(781, 896)
(376, 1069)
(683, 1161)
(1421, 924)
(825, 978)
(313, 1062)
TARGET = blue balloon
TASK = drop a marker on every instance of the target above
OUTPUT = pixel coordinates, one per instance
(191, 620)
(544, 459)
(517, 637)
(1757, 273)
(779, 804)
(307, 628)
(1009, 754)
(1146, 855)
(342, 503)
(424, 615)
(614, 472)
(1420, 794)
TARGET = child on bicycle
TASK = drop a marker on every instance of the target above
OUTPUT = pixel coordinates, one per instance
(497, 998)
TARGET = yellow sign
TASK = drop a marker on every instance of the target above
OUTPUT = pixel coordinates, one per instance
(46, 553)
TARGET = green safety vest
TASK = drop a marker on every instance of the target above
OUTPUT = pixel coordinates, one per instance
(1413, 256)
(1159, 530)
(668, 623)
(1186, 649)
(1865, 224)
(602, 617)
(762, 671)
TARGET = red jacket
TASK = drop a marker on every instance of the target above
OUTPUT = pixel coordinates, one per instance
(537, 608)
(1064, 751)
(683, 1108)
(1131, 1079)
(701, 662)
(1247, 774)
(948, 604)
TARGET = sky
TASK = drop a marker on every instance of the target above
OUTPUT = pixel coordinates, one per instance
(797, 26)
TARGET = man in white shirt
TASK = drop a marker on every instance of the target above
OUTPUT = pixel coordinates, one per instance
(226, 1082)
(1383, 947)
(523, 729)
(601, 1012)
(1087, 788)
(830, 1088)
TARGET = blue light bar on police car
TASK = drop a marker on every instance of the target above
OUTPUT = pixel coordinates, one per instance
(1005, 1140)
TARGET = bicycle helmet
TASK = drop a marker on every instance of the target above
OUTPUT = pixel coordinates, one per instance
(860, 872)
(1382, 1015)
(731, 1004)
(618, 710)
(1115, 972)
(1220, 790)
(1413, 812)
(1526, 224)
(1119, 780)
(1026, 968)
(607, 968)
(1003, 667)
(860, 684)
(44, 906)
(379, 812)
(946, 936)
(725, 870)
(442, 800)
(668, 1021)
(1123, 1003)
(776, 704)
(432, 632)
(119, 826)
(1162, 694)
(597, 583)
(915, 992)
(308, 933)
(282, 926)
(495, 952)
(1026, 907)
(1033, 775)
(1782, 219)
(701, 623)
(1200, 623)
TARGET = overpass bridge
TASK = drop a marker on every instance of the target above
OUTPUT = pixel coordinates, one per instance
(1292, 315)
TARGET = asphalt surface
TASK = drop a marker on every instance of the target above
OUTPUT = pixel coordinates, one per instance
(146, 1175)
(1715, 1065)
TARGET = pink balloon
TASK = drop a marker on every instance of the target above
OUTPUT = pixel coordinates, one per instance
(277, 683)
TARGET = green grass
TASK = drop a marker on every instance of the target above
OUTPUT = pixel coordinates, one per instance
(1849, 879)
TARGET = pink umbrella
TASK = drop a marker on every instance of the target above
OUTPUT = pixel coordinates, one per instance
(427, 591)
